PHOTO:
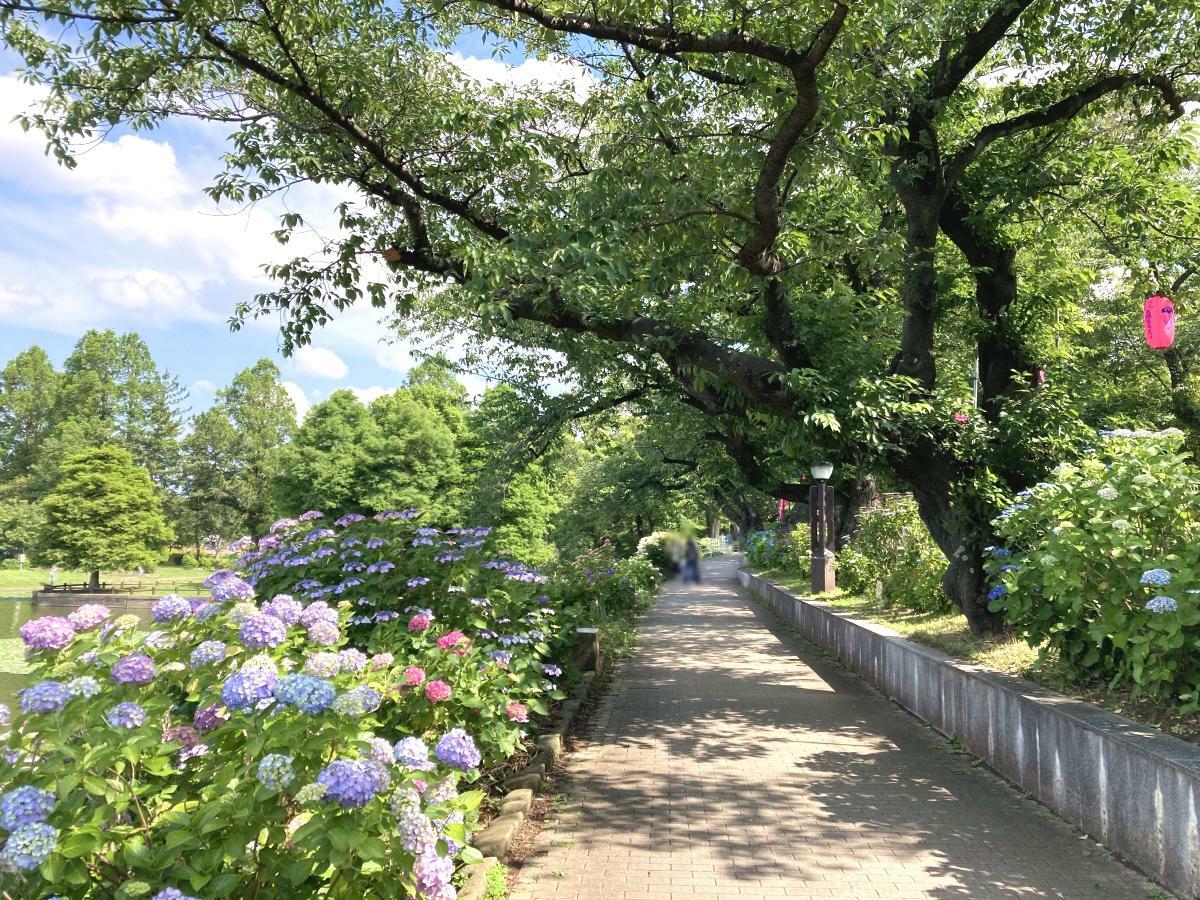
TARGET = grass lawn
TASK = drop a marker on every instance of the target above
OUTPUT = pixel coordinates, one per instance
(164, 579)
(949, 633)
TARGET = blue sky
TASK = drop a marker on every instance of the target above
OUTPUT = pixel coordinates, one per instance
(127, 240)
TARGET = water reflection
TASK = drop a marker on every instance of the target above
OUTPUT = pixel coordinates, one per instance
(14, 612)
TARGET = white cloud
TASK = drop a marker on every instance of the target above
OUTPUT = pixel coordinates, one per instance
(370, 394)
(394, 357)
(320, 362)
(544, 73)
(297, 394)
(203, 386)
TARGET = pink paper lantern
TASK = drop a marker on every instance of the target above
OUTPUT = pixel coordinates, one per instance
(1158, 321)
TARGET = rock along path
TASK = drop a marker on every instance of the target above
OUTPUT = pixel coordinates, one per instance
(730, 759)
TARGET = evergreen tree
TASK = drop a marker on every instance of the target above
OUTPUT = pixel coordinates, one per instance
(414, 462)
(104, 513)
(215, 491)
(323, 467)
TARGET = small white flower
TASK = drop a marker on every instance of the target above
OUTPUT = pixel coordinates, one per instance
(1120, 524)
(1108, 492)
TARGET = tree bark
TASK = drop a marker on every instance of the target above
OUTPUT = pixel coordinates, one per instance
(94, 582)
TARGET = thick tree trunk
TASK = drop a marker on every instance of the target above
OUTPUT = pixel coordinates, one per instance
(94, 582)
(960, 539)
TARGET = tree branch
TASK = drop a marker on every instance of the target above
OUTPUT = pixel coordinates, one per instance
(950, 71)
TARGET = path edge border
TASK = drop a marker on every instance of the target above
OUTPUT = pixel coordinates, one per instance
(495, 841)
(1130, 787)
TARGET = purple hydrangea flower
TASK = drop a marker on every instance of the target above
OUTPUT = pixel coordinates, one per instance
(351, 660)
(323, 664)
(308, 694)
(24, 805)
(47, 633)
(5, 714)
(89, 616)
(376, 543)
(284, 608)
(281, 524)
(457, 749)
(357, 702)
(218, 576)
(275, 771)
(205, 611)
(380, 661)
(433, 874)
(417, 834)
(45, 696)
(248, 687)
(412, 753)
(261, 631)
(170, 608)
(137, 668)
(419, 581)
(207, 653)
(311, 514)
(318, 611)
(232, 588)
(172, 894)
(381, 751)
(350, 783)
(28, 847)
(126, 715)
(348, 519)
(552, 671)
(209, 717)
(324, 634)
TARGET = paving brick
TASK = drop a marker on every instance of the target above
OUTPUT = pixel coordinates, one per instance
(731, 760)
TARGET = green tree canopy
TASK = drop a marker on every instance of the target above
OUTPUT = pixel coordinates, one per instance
(322, 467)
(809, 221)
(104, 513)
(28, 393)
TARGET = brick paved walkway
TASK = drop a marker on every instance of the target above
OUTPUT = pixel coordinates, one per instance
(732, 760)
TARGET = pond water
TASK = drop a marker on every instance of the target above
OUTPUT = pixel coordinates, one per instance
(14, 612)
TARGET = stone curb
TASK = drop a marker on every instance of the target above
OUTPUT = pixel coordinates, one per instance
(496, 840)
(1133, 789)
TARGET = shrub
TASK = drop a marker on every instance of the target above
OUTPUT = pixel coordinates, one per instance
(663, 548)
(710, 546)
(1101, 565)
(243, 748)
(596, 584)
(892, 546)
(781, 546)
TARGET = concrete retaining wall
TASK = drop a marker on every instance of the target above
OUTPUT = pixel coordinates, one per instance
(1134, 789)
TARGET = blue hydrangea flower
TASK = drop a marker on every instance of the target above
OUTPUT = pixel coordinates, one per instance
(502, 657)
(308, 694)
(412, 753)
(248, 687)
(456, 749)
(170, 608)
(44, 697)
(318, 611)
(83, 686)
(126, 715)
(275, 771)
(418, 581)
(552, 671)
(23, 806)
(1156, 578)
(261, 631)
(29, 846)
(350, 783)
(352, 660)
(357, 702)
(1161, 604)
(207, 653)
(136, 668)
(381, 751)
(997, 592)
(172, 894)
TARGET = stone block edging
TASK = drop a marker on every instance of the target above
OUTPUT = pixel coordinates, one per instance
(495, 841)
(1132, 788)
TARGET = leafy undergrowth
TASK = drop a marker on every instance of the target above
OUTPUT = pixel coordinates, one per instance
(948, 632)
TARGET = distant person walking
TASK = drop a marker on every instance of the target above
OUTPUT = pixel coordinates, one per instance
(691, 563)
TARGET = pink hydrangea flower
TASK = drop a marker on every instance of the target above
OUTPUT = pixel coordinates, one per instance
(436, 691)
(414, 675)
(456, 642)
(961, 418)
(517, 712)
(418, 622)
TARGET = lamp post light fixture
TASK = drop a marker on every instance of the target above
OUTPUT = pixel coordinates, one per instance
(821, 527)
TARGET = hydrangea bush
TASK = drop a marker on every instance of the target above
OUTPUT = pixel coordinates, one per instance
(1101, 565)
(781, 546)
(893, 547)
(598, 584)
(408, 587)
(282, 738)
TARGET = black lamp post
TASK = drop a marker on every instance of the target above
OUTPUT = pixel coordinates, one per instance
(821, 527)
